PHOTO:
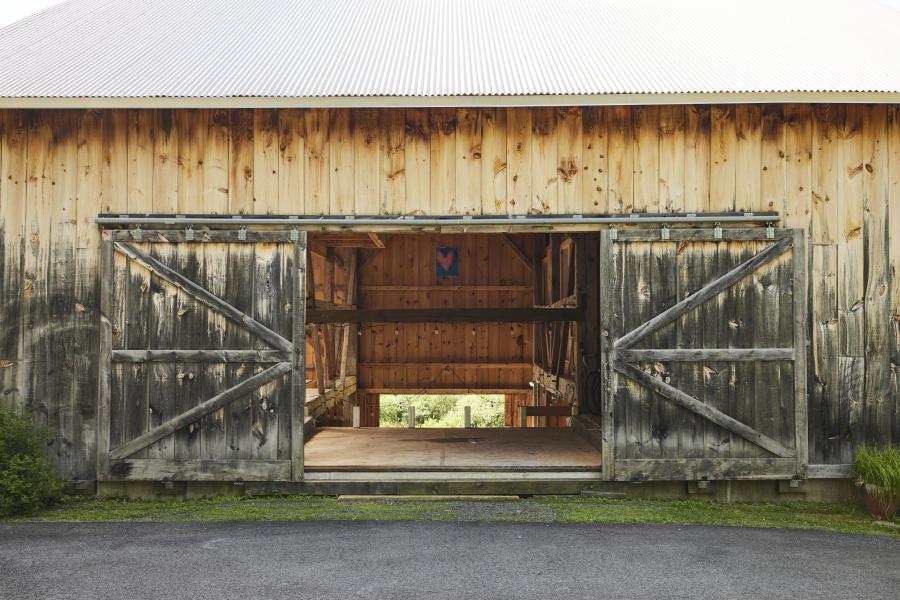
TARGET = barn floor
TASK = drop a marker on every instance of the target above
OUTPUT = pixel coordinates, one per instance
(395, 449)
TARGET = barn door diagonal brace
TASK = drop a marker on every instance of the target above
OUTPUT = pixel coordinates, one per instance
(705, 293)
(204, 296)
(198, 412)
(706, 411)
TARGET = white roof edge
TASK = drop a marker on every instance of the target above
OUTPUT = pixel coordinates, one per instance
(453, 101)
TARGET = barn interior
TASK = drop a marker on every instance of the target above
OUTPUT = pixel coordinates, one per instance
(429, 313)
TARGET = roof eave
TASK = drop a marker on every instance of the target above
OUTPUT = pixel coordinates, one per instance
(450, 101)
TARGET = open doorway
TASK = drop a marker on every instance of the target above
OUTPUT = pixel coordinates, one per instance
(440, 322)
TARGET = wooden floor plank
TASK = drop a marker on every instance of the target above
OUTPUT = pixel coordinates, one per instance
(396, 449)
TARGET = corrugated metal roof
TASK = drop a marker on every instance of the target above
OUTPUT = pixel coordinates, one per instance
(425, 48)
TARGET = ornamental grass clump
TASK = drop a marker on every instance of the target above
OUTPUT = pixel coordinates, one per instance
(27, 479)
(877, 472)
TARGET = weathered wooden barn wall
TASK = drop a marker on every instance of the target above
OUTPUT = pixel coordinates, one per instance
(833, 170)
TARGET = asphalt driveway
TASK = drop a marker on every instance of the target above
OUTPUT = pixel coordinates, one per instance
(370, 560)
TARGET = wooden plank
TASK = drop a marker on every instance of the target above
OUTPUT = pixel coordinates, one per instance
(696, 469)
(517, 252)
(104, 387)
(365, 140)
(443, 125)
(316, 195)
(265, 161)
(704, 410)
(203, 296)
(723, 140)
(851, 245)
(493, 161)
(747, 157)
(645, 140)
(298, 364)
(703, 294)
(200, 470)
(544, 165)
(570, 160)
(450, 315)
(518, 156)
(595, 154)
(417, 147)
(468, 161)
(198, 412)
(801, 340)
(704, 354)
(824, 175)
(672, 165)
(291, 161)
(696, 158)
(798, 176)
(201, 356)
(606, 275)
(444, 390)
(878, 410)
(828, 419)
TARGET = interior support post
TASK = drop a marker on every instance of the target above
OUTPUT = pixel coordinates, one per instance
(298, 371)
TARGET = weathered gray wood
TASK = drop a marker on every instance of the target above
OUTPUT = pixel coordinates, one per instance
(702, 354)
(142, 469)
(702, 295)
(201, 236)
(716, 416)
(104, 387)
(446, 315)
(606, 275)
(801, 340)
(201, 356)
(298, 364)
(216, 402)
(701, 235)
(204, 296)
(836, 471)
(695, 469)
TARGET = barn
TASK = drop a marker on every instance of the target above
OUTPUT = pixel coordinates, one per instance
(660, 232)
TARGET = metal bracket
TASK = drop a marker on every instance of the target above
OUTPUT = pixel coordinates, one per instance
(242, 234)
(613, 233)
(770, 231)
(137, 234)
(295, 234)
(664, 232)
(717, 231)
(189, 234)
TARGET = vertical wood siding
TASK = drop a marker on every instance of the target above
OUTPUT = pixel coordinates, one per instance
(833, 170)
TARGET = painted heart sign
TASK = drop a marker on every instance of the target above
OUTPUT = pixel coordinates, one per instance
(446, 262)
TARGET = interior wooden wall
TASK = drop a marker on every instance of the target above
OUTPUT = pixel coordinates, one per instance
(431, 357)
(833, 170)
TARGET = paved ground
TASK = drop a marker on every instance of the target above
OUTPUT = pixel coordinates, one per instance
(438, 560)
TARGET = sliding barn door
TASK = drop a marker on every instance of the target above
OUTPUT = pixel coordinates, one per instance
(704, 337)
(199, 378)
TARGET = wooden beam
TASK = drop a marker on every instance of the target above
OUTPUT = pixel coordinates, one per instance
(708, 291)
(447, 390)
(454, 365)
(144, 469)
(695, 469)
(517, 252)
(201, 356)
(446, 315)
(548, 411)
(298, 360)
(445, 288)
(204, 296)
(704, 410)
(705, 354)
(348, 332)
(201, 410)
(376, 240)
